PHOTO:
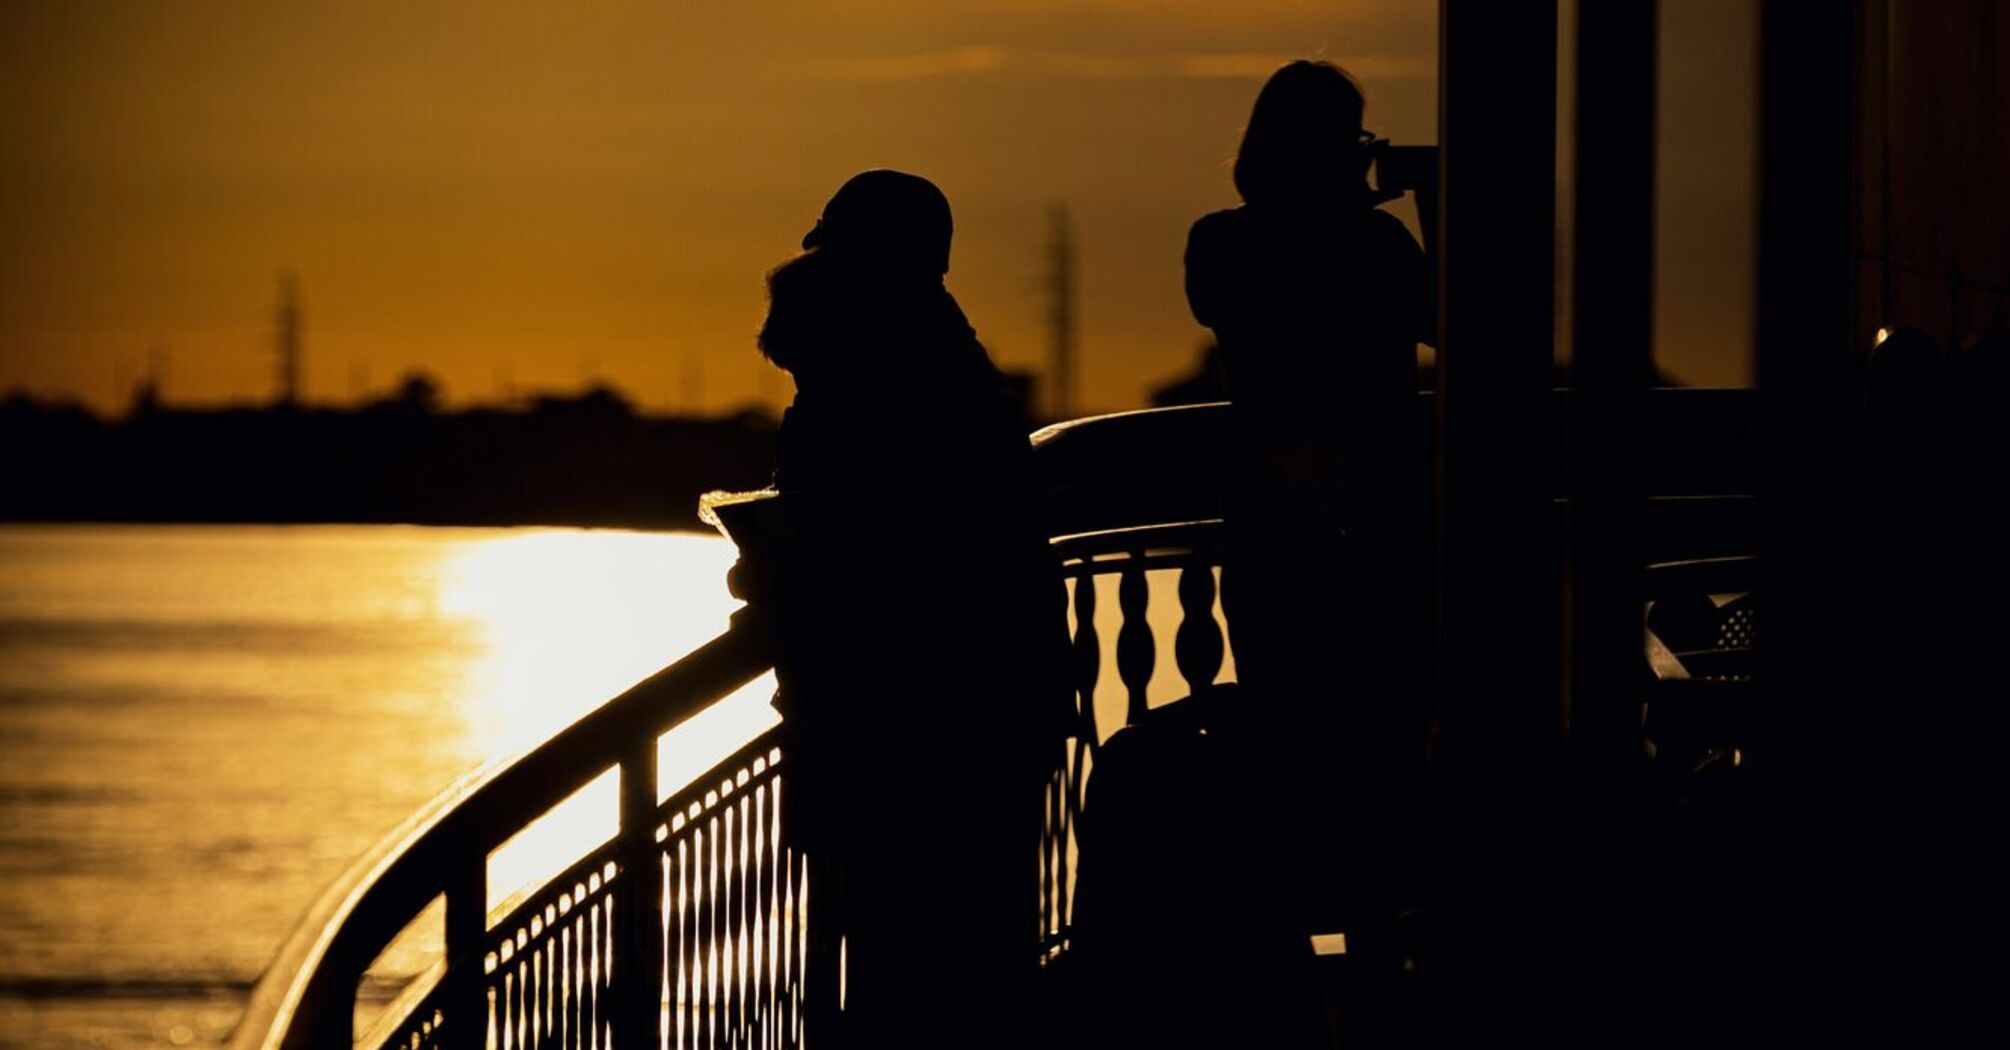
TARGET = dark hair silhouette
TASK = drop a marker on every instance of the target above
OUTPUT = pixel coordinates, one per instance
(1304, 140)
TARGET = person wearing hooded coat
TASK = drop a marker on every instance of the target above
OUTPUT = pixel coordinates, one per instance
(921, 629)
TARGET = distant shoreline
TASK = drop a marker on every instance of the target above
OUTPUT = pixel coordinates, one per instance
(586, 461)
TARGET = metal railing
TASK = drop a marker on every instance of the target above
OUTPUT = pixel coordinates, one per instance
(1176, 562)
(690, 927)
(586, 960)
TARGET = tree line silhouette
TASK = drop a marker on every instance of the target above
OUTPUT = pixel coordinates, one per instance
(590, 459)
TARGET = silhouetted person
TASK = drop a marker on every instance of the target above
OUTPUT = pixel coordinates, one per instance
(921, 621)
(1318, 300)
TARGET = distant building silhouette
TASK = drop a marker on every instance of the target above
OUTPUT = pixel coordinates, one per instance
(1024, 388)
(1207, 383)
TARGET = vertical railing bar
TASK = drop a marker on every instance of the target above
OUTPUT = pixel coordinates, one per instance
(591, 976)
(729, 945)
(680, 917)
(786, 993)
(763, 924)
(715, 924)
(736, 973)
(541, 965)
(705, 842)
(748, 888)
(513, 1006)
(666, 995)
(530, 998)
(562, 986)
(758, 930)
(582, 974)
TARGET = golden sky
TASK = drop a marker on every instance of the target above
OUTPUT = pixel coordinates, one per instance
(525, 195)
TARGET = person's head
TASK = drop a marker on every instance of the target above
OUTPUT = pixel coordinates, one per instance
(889, 220)
(1304, 142)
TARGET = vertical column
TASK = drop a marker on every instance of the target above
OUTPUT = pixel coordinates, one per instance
(1821, 842)
(1611, 895)
(1497, 603)
(1612, 361)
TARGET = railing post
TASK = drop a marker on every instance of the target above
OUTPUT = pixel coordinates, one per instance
(333, 1020)
(638, 910)
(465, 1001)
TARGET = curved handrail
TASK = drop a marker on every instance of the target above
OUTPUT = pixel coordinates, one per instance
(384, 888)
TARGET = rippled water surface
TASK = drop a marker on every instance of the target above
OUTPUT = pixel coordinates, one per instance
(199, 726)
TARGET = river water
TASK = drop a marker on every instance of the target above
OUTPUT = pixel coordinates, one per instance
(201, 725)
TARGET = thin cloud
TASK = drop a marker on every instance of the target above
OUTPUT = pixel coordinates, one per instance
(963, 61)
(953, 62)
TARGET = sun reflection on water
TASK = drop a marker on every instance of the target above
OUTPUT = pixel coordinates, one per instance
(565, 621)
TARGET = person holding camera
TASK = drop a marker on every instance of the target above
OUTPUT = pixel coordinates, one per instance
(1318, 299)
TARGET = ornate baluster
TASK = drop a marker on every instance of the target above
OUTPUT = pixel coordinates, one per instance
(1088, 656)
(1198, 644)
(1137, 651)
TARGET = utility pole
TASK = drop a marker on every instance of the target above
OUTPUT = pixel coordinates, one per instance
(693, 382)
(158, 360)
(286, 339)
(1061, 319)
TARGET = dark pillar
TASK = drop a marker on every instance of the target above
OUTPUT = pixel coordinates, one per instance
(1612, 908)
(1497, 682)
(1612, 336)
(1817, 839)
